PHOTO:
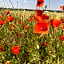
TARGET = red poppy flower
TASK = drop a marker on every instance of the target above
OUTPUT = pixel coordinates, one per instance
(7, 11)
(39, 12)
(62, 7)
(31, 19)
(25, 27)
(10, 18)
(62, 38)
(38, 19)
(40, 3)
(19, 34)
(55, 23)
(2, 22)
(39, 16)
(44, 16)
(45, 44)
(20, 15)
(41, 28)
(15, 50)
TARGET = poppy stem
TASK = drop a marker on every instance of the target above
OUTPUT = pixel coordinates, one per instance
(16, 57)
(58, 60)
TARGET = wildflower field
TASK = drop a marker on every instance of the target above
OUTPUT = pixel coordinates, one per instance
(31, 37)
(23, 40)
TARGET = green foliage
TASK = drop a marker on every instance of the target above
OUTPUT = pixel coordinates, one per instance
(32, 49)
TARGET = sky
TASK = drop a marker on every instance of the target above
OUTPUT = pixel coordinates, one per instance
(31, 4)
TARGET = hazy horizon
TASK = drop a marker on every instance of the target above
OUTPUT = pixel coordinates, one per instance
(31, 4)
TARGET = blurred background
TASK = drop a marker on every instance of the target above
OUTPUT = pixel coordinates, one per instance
(31, 4)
